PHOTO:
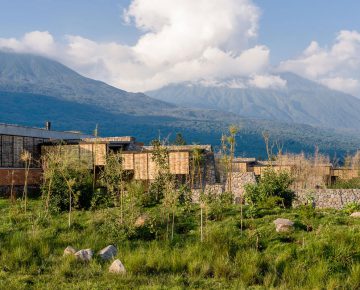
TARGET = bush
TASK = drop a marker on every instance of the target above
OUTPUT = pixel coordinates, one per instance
(81, 180)
(353, 183)
(351, 207)
(272, 189)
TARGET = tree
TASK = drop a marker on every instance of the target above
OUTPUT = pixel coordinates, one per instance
(197, 162)
(233, 130)
(65, 174)
(26, 158)
(113, 177)
(166, 183)
(179, 140)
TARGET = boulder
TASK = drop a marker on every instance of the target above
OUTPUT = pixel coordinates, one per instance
(117, 267)
(84, 255)
(69, 250)
(355, 214)
(108, 252)
(283, 225)
(141, 220)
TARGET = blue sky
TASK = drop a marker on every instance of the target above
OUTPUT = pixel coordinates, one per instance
(293, 35)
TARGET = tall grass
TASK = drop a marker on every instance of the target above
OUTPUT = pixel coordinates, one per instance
(328, 257)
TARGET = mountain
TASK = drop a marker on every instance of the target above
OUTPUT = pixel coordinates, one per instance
(301, 101)
(34, 89)
(26, 73)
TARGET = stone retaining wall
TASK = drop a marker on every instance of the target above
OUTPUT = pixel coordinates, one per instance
(327, 198)
(239, 180)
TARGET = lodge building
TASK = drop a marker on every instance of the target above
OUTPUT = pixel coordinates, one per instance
(137, 159)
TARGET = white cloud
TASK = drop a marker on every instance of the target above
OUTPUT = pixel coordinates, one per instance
(267, 82)
(337, 67)
(351, 86)
(40, 42)
(182, 40)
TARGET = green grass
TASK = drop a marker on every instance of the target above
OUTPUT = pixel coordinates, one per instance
(328, 257)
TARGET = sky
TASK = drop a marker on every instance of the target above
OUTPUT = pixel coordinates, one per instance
(141, 45)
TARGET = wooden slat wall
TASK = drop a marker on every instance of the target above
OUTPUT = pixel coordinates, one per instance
(128, 161)
(152, 167)
(344, 173)
(100, 153)
(179, 162)
(86, 154)
(141, 166)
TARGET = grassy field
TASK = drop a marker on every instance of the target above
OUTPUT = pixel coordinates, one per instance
(323, 251)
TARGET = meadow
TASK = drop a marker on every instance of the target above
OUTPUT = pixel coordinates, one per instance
(322, 252)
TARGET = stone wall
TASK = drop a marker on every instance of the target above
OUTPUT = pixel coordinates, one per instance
(213, 189)
(327, 198)
(238, 182)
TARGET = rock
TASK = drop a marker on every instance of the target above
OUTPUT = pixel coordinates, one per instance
(141, 220)
(84, 255)
(355, 214)
(69, 251)
(117, 267)
(108, 253)
(283, 225)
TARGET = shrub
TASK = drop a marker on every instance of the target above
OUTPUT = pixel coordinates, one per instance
(351, 207)
(353, 183)
(272, 189)
(67, 179)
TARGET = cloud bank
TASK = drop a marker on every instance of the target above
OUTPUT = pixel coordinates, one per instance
(337, 67)
(182, 40)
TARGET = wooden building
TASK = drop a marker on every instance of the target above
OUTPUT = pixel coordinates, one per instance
(14, 140)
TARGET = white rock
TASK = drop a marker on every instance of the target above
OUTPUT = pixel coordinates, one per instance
(69, 251)
(283, 225)
(355, 214)
(108, 252)
(141, 220)
(117, 267)
(84, 255)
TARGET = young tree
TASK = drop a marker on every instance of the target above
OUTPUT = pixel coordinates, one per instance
(160, 156)
(26, 158)
(65, 174)
(179, 140)
(96, 134)
(113, 177)
(233, 130)
(197, 163)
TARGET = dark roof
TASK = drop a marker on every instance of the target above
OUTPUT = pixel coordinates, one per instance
(16, 130)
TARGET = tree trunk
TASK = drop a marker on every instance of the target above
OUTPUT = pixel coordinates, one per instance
(173, 224)
(27, 168)
(201, 224)
(70, 200)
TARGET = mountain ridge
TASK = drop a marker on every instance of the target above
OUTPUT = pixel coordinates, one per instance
(301, 101)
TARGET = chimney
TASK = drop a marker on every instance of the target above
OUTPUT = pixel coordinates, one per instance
(48, 125)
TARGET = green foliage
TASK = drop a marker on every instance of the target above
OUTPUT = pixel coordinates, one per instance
(353, 183)
(65, 174)
(113, 177)
(351, 207)
(179, 140)
(217, 204)
(101, 199)
(271, 190)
